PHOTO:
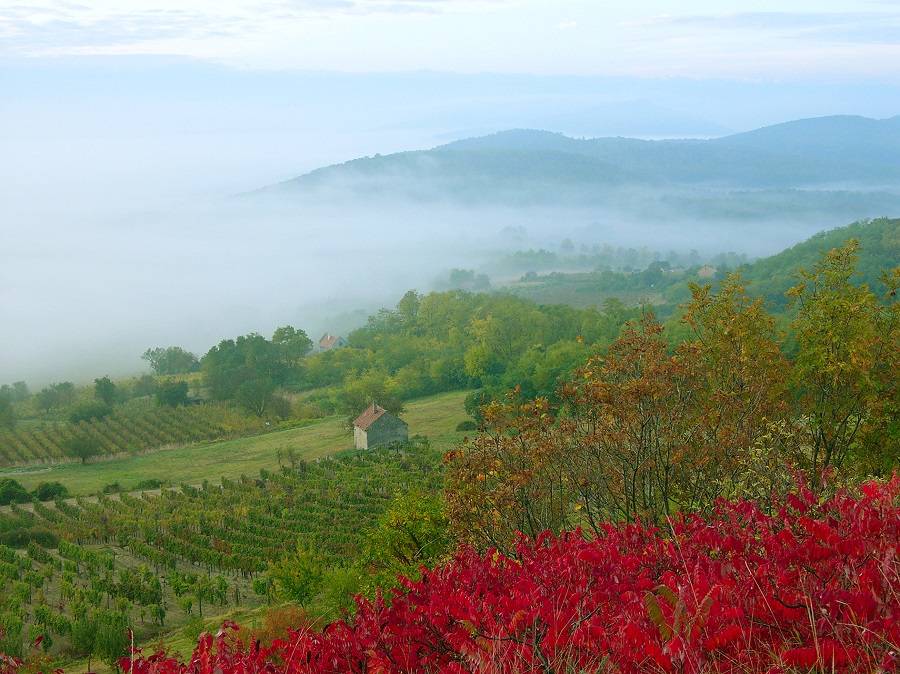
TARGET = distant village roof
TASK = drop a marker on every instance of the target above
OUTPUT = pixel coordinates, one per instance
(328, 341)
(371, 414)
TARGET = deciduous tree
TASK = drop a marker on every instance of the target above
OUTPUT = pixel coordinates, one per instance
(82, 447)
(847, 362)
(105, 390)
(296, 577)
(509, 478)
(171, 360)
(7, 413)
(172, 393)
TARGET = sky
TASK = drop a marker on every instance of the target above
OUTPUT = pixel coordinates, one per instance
(795, 39)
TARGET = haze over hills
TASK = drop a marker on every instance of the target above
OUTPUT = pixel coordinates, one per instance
(802, 153)
(845, 166)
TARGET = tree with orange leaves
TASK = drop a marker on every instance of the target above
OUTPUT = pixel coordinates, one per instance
(509, 478)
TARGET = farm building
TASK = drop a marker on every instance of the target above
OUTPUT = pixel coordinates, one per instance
(329, 342)
(376, 427)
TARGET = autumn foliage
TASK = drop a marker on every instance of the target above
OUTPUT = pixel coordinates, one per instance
(813, 586)
(735, 408)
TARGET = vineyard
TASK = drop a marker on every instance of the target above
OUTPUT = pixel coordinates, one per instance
(122, 432)
(159, 560)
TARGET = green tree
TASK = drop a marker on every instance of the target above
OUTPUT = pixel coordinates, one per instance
(743, 376)
(171, 360)
(412, 532)
(105, 390)
(82, 447)
(111, 640)
(83, 635)
(408, 308)
(7, 414)
(158, 614)
(20, 391)
(172, 393)
(89, 410)
(264, 587)
(48, 491)
(203, 590)
(847, 362)
(17, 391)
(12, 492)
(474, 403)
(56, 395)
(12, 628)
(340, 584)
(296, 577)
(255, 395)
(249, 358)
(145, 385)
(293, 343)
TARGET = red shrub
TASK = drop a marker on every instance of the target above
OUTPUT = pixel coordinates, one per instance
(814, 587)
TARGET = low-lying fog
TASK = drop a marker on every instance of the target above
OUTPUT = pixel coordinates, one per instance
(88, 286)
(119, 229)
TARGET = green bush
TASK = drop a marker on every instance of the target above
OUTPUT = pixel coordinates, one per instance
(12, 492)
(20, 537)
(89, 410)
(193, 629)
(48, 491)
(151, 483)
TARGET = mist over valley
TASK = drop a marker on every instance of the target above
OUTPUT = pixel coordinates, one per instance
(324, 249)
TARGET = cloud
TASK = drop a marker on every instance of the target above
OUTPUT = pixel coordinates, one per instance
(876, 27)
(23, 29)
(60, 26)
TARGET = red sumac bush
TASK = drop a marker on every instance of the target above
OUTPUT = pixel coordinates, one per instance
(813, 587)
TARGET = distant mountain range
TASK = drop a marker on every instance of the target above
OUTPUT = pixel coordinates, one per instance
(807, 152)
(847, 166)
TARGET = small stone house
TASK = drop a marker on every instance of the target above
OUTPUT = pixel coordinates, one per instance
(329, 342)
(376, 427)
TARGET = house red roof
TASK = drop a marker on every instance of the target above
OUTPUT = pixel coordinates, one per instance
(371, 414)
(328, 341)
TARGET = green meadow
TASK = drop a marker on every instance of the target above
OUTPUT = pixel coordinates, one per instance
(435, 417)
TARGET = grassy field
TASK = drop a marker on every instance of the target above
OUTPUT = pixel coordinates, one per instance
(435, 417)
(578, 290)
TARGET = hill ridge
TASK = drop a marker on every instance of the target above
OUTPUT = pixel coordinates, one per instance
(803, 153)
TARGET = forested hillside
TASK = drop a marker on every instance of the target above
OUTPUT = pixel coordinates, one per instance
(879, 251)
(663, 283)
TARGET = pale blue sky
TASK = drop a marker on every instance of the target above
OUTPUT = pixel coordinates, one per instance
(750, 39)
